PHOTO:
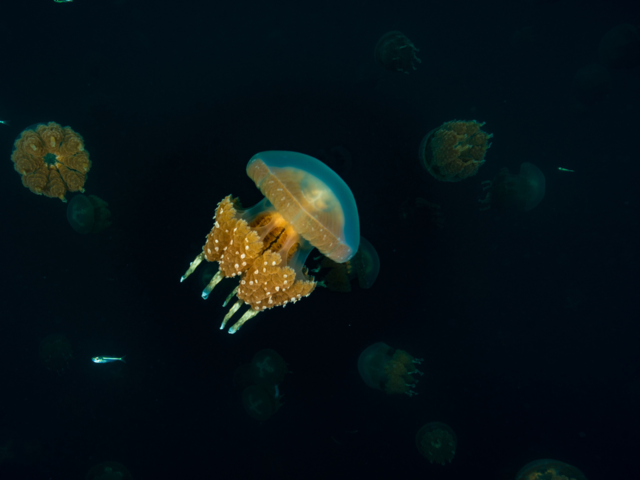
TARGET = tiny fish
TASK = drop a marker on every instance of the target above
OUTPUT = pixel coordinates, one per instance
(108, 359)
(565, 169)
(4, 122)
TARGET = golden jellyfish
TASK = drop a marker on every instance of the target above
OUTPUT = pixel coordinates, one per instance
(455, 150)
(365, 266)
(515, 193)
(437, 442)
(56, 352)
(51, 159)
(385, 368)
(88, 214)
(306, 205)
(260, 402)
(268, 368)
(395, 52)
(547, 469)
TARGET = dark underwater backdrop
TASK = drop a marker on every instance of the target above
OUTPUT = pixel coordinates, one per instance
(526, 322)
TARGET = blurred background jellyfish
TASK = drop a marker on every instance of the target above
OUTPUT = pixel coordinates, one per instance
(437, 442)
(395, 52)
(455, 150)
(620, 47)
(56, 352)
(591, 84)
(306, 205)
(549, 469)
(88, 214)
(51, 159)
(109, 471)
(260, 402)
(268, 368)
(385, 368)
(515, 193)
(365, 266)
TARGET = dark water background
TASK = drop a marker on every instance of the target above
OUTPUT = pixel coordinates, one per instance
(527, 323)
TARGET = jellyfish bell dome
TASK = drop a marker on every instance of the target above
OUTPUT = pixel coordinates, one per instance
(515, 193)
(259, 402)
(268, 368)
(371, 364)
(391, 370)
(312, 198)
(437, 442)
(88, 214)
(80, 214)
(367, 264)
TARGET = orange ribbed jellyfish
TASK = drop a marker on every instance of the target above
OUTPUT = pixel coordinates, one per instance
(306, 205)
(385, 368)
(455, 150)
(51, 159)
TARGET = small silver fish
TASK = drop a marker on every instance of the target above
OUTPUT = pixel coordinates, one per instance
(108, 359)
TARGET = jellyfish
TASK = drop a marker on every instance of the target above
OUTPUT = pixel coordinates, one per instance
(437, 442)
(260, 402)
(51, 159)
(455, 150)
(56, 352)
(88, 214)
(306, 205)
(109, 471)
(591, 84)
(549, 470)
(365, 266)
(519, 193)
(385, 368)
(268, 368)
(396, 52)
(620, 47)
